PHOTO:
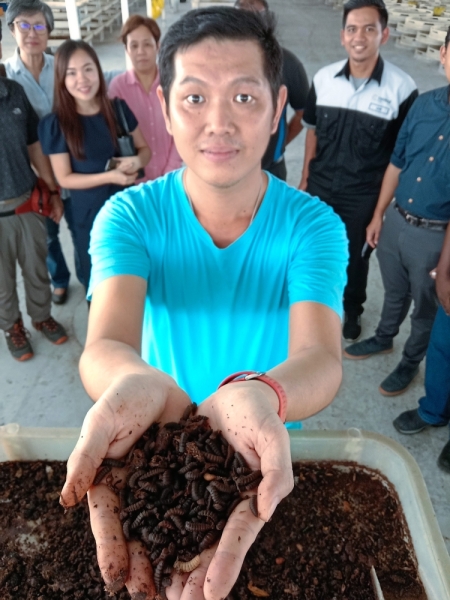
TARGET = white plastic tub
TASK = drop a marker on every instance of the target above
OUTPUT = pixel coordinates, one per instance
(369, 449)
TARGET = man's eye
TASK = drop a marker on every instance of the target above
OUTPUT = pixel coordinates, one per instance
(195, 99)
(244, 98)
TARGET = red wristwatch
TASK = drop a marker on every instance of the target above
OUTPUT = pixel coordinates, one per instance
(261, 376)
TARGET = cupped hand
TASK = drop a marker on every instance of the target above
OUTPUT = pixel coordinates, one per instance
(246, 417)
(57, 208)
(111, 427)
(443, 289)
(373, 231)
(129, 164)
(303, 185)
(118, 177)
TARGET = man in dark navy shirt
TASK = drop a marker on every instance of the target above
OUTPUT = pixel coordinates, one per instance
(409, 241)
(353, 113)
(296, 81)
(22, 234)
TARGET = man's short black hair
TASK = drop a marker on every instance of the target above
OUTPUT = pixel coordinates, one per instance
(379, 5)
(447, 38)
(222, 24)
(251, 4)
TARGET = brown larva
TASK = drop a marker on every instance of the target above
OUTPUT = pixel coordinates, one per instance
(254, 505)
(190, 526)
(187, 567)
(101, 473)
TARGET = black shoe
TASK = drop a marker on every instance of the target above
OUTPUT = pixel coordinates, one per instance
(352, 327)
(399, 380)
(367, 348)
(59, 298)
(444, 458)
(411, 422)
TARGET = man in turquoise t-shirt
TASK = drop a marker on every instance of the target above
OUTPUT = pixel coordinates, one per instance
(211, 270)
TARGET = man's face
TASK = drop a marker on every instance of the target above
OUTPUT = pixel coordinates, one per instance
(445, 60)
(363, 35)
(221, 112)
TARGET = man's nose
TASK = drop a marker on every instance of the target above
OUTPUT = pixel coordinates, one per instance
(220, 116)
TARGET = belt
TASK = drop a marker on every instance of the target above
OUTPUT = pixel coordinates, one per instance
(420, 221)
(8, 213)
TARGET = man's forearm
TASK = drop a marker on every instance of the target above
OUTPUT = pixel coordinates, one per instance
(444, 261)
(107, 360)
(311, 379)
(42, 165)
(294, 127)
(310, 153)
(388, 187)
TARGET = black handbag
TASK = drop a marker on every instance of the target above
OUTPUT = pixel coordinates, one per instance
(124, 138)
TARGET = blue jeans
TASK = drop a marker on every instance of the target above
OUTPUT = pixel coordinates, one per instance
(56, 263)
(434, 407)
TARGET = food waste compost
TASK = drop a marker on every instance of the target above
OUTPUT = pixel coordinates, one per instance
(184, 480)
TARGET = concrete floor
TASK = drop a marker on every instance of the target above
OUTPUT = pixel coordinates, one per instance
(46, 392)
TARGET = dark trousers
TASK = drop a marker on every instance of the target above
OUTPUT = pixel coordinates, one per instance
(406, 255)
(56, 263)
(434, 407)
(278, 169)
(355, 216)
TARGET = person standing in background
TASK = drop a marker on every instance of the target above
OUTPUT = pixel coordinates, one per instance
(354, 111)
(31, 22)
(140, 36)
(22, 236)
(80, 137)
(434, 407)
(409, 240)
(296, 82)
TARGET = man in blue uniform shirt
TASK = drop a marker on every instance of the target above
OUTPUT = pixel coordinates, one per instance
(214, 269)
(409, 241)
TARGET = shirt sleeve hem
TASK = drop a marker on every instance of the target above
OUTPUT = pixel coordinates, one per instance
(108, 273)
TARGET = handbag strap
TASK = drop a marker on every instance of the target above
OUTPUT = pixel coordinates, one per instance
(120, 115)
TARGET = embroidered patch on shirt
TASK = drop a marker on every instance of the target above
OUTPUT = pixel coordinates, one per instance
(17, 111)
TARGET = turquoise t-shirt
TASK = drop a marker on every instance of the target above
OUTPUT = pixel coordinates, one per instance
(210, 312)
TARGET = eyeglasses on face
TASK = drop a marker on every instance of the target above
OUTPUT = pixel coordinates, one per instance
(27, 27)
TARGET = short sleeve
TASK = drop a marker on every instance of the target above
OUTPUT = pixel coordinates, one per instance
(51, 137)
(113, 89)
(404, 110)
(117, 244)
(296, 80)
(318, 265)
(129, 116)
(398, 156)
(310, 116)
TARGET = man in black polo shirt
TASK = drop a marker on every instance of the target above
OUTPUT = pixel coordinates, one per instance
(296, 81)
(409, 241)
(23, 236)
(353, 113)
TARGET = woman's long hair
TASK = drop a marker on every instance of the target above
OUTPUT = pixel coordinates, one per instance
(65, 104)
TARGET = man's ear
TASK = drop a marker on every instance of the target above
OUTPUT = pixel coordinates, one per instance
(385, 35)
(281, 102)
(165, 108)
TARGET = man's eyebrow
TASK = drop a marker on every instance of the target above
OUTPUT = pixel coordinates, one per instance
(243, 79)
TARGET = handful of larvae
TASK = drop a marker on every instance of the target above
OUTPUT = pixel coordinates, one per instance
(184, 482)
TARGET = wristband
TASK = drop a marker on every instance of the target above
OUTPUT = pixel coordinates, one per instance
(261, 376)
(54, 193)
